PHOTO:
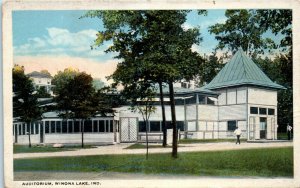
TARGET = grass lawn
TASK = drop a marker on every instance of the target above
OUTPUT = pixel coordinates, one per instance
(143, 146)
(46, 148)
(267, 162)
(191, 141)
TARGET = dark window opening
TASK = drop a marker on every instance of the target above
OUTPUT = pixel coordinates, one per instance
(201, 99)
(209, 101)
(155, 126)
(253, 110)
(76, 126)
(101, 126)
(37, 125)
(58, 126)
(263, 111)
(107, 126)
(88, 126)
(111, 123)
(142, 126)
(271, 111)
(70, 126)
(52, 126)
(95, 125)
(64, 126)
(46, 126)
(231, 125)
(32, 128)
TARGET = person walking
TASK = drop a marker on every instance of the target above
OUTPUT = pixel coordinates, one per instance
(289, 131)
(238, 133)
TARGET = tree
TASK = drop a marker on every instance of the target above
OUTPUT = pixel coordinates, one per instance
(42, 92)
(25, 104)
(155, 43)
(241, 29)
(209, 69)
(44, 71)
(77, 99)
(98, 84)
(245, 28)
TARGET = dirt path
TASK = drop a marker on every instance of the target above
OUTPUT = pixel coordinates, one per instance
(119, 149)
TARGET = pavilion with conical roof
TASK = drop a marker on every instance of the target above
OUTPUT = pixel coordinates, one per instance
(241, 70)
(247, 99)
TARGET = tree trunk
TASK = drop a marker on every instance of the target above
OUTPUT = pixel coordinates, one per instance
(82, 130)
(29, 134)
(173, 115)
(147, 146)
(163, 115)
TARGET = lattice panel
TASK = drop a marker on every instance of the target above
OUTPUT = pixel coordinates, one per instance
(128, 129)
(133, 129)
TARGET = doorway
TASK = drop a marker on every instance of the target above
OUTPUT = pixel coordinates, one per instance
(263, 127)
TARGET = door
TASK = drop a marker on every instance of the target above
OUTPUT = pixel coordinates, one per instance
(128, 132)
(263, 128)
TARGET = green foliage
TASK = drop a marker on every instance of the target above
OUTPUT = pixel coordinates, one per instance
(42, 92)
(267, 162)
(25, 104)
(98, 84)
(62, 78)
(241, 30)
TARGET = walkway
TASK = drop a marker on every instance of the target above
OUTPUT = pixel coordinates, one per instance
(120, 149)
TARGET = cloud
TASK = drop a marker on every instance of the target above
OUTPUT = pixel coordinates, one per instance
(54, 64)
(60, 41)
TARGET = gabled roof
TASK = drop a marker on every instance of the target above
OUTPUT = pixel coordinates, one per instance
(36, 74)
(241, 70)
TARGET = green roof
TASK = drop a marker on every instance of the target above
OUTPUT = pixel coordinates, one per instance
(241, 70)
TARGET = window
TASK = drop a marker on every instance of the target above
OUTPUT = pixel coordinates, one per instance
(231, 125)
(76, 126)
(32, 128)
(142, 126)
(101, 126)
(111, 126)
(96, 126)
(107, 126)
(253, 110)
(191, 100)
(271, 111)
(70, 126)
(37, 128)
(88, 126)
(201, 99)
(52, 126)
(263, 111)
(64, 126)
(210, 101)
(180, 125)
(58, 126)
(155, 126)
(46, 126)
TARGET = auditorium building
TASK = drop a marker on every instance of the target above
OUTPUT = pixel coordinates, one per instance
(240, 95)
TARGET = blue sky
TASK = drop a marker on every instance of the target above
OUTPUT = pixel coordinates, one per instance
(37, 33)
(55, 40)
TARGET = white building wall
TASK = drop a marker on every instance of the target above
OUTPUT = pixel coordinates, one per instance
(232, 112)
(74, 138)
(262, 96)
(208, 112)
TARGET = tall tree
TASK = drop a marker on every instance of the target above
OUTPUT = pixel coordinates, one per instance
(25, 104)
(241, 29)
(155, 43)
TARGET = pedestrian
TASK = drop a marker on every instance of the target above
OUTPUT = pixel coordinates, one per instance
(238, 133)
(289, 131)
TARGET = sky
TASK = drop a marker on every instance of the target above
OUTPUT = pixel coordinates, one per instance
(55, 40)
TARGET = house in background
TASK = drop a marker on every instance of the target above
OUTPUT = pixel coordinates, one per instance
(241, 95)
(41, 80)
